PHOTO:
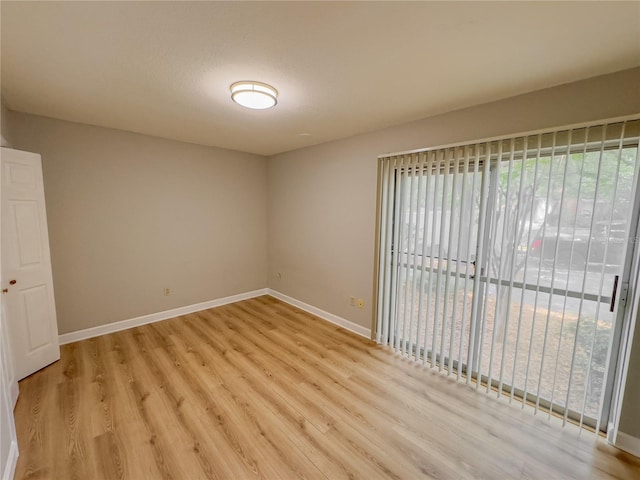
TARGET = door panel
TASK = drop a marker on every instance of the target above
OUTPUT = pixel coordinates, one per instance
(26, 264)
(29, 236)
(37, 316)
(21, 176)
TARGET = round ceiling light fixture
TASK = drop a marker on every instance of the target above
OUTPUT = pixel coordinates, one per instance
(255, 95)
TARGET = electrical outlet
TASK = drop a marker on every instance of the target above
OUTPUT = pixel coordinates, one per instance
(167, 291)
(352, 301)
(360, 303)
(278, 276)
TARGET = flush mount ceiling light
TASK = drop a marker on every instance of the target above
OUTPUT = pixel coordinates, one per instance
(254, 95)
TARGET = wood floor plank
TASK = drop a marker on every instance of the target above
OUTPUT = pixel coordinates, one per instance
(263, 390)
(353, 407)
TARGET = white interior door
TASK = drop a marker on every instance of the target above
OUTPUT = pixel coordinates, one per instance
(27, 283)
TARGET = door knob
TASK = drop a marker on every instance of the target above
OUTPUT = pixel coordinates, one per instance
(5, 290)
(12, 282)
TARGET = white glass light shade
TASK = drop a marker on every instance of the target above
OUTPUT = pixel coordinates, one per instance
(254, 95)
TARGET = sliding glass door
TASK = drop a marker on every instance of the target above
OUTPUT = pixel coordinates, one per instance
(501, 261)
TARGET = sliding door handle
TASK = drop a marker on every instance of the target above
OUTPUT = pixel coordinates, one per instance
(612, 305)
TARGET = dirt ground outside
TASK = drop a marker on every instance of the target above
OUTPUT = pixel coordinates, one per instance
(520, 355)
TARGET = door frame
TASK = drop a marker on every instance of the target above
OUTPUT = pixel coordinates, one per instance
(625, 322)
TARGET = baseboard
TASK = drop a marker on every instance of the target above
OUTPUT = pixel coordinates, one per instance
(155, 317)
(12, 461)
(329, 317)
(628, 443)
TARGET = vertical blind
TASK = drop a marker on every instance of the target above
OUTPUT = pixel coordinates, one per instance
(498, 261)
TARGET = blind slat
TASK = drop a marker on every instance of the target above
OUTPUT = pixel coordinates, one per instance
(502, 260)
(439, 320)
(470, 222)
(420, 344)
(459, 248)
(433, 180)
(553, 274)
(384, 251)
(486, 265)
(449, 259)
(526, 266)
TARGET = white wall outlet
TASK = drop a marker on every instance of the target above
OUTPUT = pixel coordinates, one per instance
(361, 303)
(352, 301)
(167, 291)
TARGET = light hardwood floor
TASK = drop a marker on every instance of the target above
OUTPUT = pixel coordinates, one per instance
(260, 389)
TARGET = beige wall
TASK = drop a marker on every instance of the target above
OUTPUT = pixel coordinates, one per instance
(130, 214)
(4, 124)
(322, 199)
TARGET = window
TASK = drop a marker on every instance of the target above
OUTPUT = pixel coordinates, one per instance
(499, 262)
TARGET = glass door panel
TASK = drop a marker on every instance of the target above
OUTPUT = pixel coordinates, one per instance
(558, 233)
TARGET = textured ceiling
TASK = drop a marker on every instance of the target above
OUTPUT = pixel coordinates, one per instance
(164, 68)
